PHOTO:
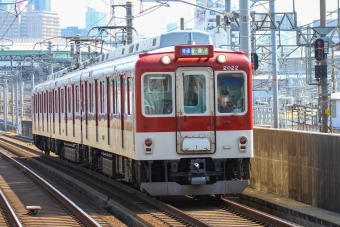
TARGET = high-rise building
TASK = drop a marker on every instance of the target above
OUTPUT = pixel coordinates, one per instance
(7, 7)
(95, 18)
(39, 24)
(42, 5)
(10, 27)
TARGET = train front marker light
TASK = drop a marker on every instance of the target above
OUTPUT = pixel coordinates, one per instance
(166, 59)
(221, 58)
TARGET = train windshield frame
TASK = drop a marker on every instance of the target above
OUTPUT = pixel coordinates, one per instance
(231, 93)
(157, 98)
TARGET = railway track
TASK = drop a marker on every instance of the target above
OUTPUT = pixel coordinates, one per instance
(8, 216)
(139, 208)
(28, 193)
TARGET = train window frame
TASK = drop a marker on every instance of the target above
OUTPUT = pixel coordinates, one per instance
(90, 99)
(113, 96)
(69, 100)
(194, 93)
(129, 95)
(45, 102)
(232, 91)
(101, 96)
(36, 103)
(56, 109)
(76, 96)
(40, 102)
(50, 102)
(149, 108)
(62, 100)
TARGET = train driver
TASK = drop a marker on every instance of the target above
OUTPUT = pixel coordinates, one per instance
(224, 105)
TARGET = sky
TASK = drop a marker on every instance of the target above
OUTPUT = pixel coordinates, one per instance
(150, 20)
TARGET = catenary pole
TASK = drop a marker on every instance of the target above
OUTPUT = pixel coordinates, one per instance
(274, 65)
(324, 85)
(245, 28)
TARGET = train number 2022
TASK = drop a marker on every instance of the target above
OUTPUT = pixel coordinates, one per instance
(230, 67)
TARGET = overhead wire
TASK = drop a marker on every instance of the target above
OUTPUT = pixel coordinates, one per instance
(15, 17)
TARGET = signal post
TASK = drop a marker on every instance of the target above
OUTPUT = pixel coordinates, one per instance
(322, 59)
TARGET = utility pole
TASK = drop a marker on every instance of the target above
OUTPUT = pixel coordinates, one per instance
(227, 24)
(274, 61)
(324, 85)
(245, 28)
(5, 90)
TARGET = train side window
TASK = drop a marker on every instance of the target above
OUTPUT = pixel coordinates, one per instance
(40, 102)
(157, 95)
(69, 100)
(113, 96)
(102, 97)
(50, 102)
(129, 95)
(230, 92)
(62, 99)
(36, 103)
(55, 102)
(90, 100)
(77, 98)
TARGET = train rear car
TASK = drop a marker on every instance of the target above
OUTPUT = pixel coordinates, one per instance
(173, 116)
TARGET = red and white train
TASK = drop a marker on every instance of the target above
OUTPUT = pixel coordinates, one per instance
(171, 115)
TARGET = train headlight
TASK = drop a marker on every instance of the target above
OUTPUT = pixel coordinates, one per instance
(166, 59)
(148, 146)
(221, 58)
(242, 143)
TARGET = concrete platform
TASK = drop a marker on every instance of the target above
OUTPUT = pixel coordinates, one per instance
(299, 213)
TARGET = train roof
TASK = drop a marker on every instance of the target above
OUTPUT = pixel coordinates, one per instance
(164, 40)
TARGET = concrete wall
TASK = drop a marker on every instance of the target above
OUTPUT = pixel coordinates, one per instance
(304, 166)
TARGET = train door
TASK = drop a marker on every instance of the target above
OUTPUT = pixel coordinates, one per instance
(195, 116)
(54, 96)
(108, 109)
(74, 99)
(86, 101)
(96, 100)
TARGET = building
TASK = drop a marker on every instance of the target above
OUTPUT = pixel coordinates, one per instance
(10, 26)
(39, 24)
(7, 7)
(73, 31)
(206, 19)
(42, 5)
(93, 19)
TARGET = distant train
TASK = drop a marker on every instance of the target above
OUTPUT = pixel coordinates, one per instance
(171, 115)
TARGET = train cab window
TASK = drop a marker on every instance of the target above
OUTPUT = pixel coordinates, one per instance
(230, 92)
(194, 90)
(157, 95)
